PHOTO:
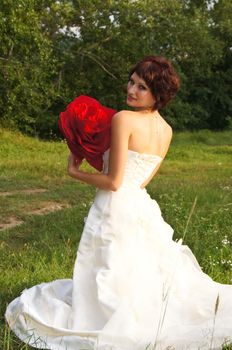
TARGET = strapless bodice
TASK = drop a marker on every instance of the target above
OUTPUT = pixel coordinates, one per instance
(138, 167)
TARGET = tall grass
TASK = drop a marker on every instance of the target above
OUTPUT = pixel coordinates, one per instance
(44, 247)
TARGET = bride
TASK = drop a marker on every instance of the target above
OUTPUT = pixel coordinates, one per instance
(133, 287)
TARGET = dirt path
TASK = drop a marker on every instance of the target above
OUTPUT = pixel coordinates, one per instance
(29, 191)
(11, 222)
(44, 207)
(48, 207)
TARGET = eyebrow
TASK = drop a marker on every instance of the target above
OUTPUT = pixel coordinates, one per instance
(144, 85)
(139, 83)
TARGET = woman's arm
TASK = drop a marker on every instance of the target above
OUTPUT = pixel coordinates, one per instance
(120, 133)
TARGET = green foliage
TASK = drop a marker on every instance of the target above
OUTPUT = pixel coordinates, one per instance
(26, 65)
(53, 51)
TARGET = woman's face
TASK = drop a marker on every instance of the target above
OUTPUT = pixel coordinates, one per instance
(139, 95)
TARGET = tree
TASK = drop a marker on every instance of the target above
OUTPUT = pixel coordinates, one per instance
(28, 66)
(53, 51)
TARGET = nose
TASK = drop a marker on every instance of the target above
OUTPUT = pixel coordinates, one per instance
(131, 89)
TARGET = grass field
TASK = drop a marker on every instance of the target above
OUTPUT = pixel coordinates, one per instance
(42, 209)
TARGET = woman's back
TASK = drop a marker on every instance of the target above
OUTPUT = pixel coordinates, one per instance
(150, 133)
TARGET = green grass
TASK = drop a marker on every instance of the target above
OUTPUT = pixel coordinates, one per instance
(44, 247)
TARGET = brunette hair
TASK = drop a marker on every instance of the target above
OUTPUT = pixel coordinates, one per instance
(160, 76)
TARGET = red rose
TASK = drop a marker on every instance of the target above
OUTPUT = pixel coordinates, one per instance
(86, 126)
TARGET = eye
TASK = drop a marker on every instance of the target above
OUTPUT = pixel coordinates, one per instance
(131, 81)
(142, 87)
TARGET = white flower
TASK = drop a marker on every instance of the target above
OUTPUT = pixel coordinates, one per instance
(225, 241)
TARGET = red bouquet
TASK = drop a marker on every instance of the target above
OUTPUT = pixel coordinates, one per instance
(86, 126)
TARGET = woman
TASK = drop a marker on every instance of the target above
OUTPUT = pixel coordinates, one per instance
(133, 287)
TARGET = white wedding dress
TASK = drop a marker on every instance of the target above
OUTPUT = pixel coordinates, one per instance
(133, 287)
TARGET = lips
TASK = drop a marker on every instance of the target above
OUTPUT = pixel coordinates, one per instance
(130, 98)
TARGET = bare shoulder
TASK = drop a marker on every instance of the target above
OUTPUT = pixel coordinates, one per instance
(168, 131)
(121, 115)
(121, 119)
(165, 136)
(166, 128)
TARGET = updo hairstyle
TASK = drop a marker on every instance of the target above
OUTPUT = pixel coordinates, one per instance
(160, 76)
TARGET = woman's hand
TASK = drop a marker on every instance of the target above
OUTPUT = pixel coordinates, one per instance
(73, 164)
(102, 181)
